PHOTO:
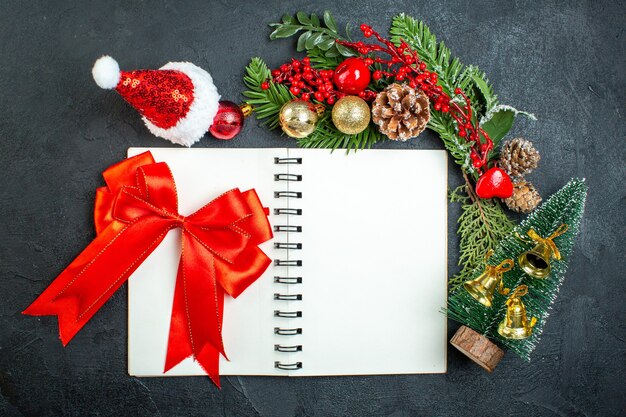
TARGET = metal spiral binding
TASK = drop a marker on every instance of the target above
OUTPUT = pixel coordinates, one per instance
(297, 161)
(287, 177)
(292, 348)
(287, 332)
(288, 228)
(292, 246)
(287, 194)
(288, 280)
(287, 297)
(288, 211)
(286, 245)
(279, 262)
(287, 314)
(288, 366)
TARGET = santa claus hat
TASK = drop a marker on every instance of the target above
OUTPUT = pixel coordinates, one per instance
(178, 102)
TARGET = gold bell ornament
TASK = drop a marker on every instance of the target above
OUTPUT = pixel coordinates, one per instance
(516, 324)
(483, 287)
(536, 262)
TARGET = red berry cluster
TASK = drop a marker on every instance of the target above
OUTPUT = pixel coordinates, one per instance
(309, 83)
(405, 65)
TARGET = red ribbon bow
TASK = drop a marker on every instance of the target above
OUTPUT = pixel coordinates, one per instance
(133, 213)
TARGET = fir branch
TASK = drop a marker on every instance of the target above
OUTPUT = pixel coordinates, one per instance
(438, 58)
(266, 103)
(327, 136)
(452, 74)
(565, 206)
(459, 149)
(482, 224)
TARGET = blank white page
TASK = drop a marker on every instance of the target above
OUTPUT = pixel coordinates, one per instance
(201, 175)
(374, 262)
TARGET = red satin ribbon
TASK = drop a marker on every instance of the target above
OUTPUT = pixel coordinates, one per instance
(133, 213)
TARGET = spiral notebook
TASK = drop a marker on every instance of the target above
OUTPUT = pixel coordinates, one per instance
(359, 273)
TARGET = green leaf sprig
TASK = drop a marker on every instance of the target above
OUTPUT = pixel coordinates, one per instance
(317, 38)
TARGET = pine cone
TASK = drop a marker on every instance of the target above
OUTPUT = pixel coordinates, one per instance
(518, 157)
(525, 197)
(401, 112)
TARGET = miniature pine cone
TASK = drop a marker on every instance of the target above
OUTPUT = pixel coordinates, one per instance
(401, 112)
(519, 157)
(525, 197)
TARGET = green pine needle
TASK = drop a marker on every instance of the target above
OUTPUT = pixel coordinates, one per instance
(266, 103)
(451, 74)
(327, 136)
(482, 224)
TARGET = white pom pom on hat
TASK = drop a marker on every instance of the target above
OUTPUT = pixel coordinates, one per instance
(106, 72)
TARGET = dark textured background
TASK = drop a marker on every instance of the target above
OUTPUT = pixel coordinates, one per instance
(58, 131)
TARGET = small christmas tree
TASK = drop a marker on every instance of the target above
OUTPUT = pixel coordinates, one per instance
(565, 207)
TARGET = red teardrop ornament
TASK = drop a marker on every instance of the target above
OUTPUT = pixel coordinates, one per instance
(227, 122)
(352, 76)
(494, 183)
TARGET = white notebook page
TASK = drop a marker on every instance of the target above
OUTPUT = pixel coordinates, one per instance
(374, 264)
(201, 175)
(374, 261)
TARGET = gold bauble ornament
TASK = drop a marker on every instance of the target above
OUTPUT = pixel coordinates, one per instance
(351, 115)
(298, 118)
